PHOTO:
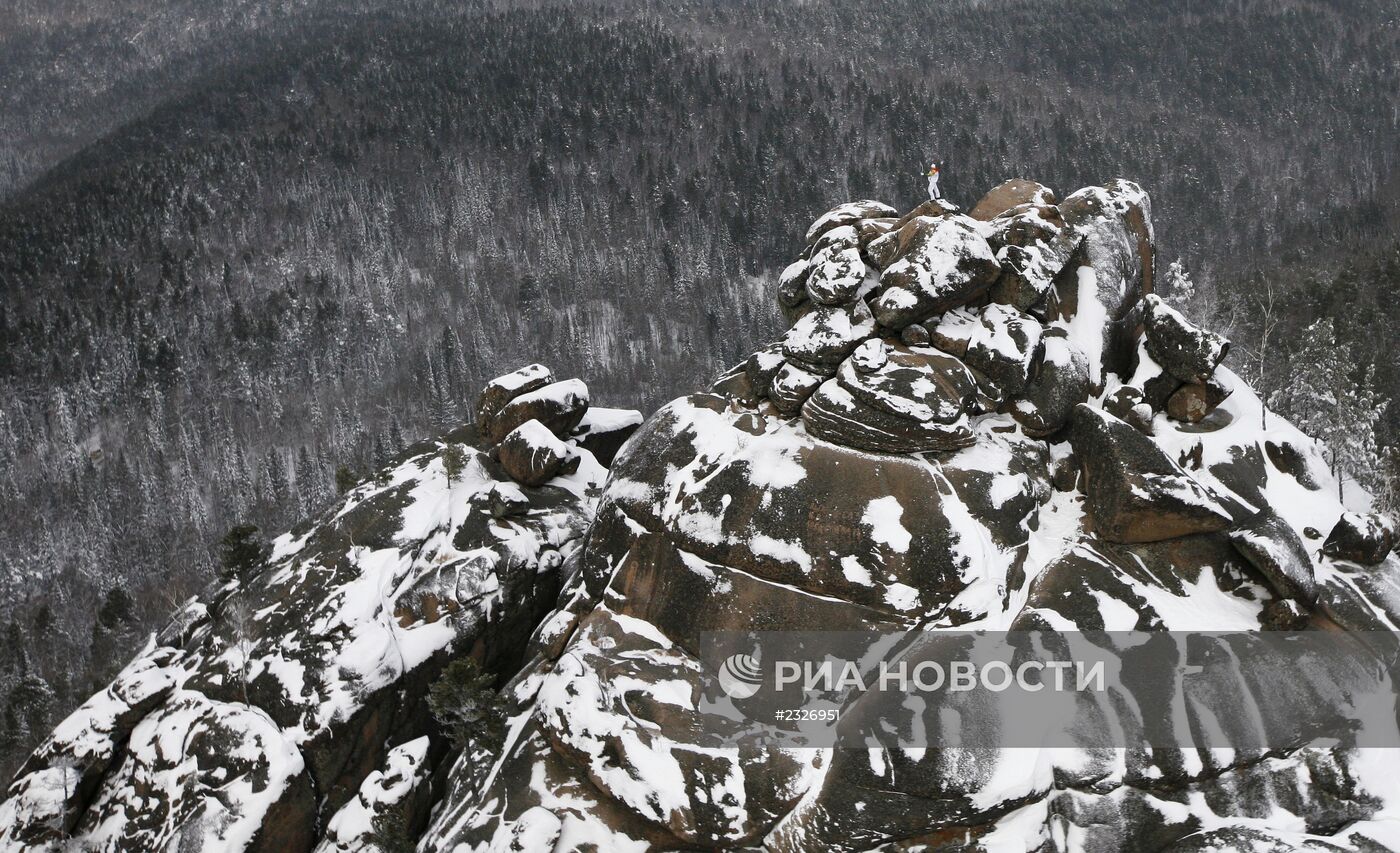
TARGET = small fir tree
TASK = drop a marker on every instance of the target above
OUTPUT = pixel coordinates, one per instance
(241, 552)
(453, 461)
(390, 832)
(466, 705)
(113, 633)
(345, 479)
(1180, 290)
(30, 701)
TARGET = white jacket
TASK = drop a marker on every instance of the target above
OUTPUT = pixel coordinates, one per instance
(933, 187)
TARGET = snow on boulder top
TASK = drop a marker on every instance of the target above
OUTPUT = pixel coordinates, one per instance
(532, 455)
(505, 388)
(558, 405)
(1189, 353)
(946, 263)
(356, 828)
(1009, 194)
(536, 435)
(848, 214)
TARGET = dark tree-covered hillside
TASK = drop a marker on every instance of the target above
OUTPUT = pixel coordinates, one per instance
(247, 246)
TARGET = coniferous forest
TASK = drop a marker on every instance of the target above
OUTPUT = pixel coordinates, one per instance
(251, 251)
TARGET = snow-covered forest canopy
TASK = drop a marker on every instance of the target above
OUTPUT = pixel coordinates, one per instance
(246, 246)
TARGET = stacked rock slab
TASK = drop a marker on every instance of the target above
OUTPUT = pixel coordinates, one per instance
(955, 301)
(536, 422)
(888, 463)
(1175, 368)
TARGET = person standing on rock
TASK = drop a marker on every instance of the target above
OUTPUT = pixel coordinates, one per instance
(933, 192)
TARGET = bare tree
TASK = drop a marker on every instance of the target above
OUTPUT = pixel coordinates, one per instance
(1268, 321)
(240, 622)
(68, 766)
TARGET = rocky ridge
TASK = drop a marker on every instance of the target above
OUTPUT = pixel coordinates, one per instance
(283, 710)
(974, 420)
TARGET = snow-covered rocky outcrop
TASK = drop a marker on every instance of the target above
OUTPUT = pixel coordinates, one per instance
(974, 420)
(969, 423)
(280, 709)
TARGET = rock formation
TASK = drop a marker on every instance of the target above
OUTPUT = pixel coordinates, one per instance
(973, 420)
(949, 457)
(281, 711)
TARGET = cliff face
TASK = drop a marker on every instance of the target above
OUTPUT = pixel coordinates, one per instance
(974, 420)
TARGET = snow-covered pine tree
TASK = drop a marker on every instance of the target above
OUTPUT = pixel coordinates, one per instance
(1355, 450)
(1178, 288)
(1386, 486)
(453, 461)
(111, 635)
(310, 485)
(442, 408)
(30, 700)
(1324, 401)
